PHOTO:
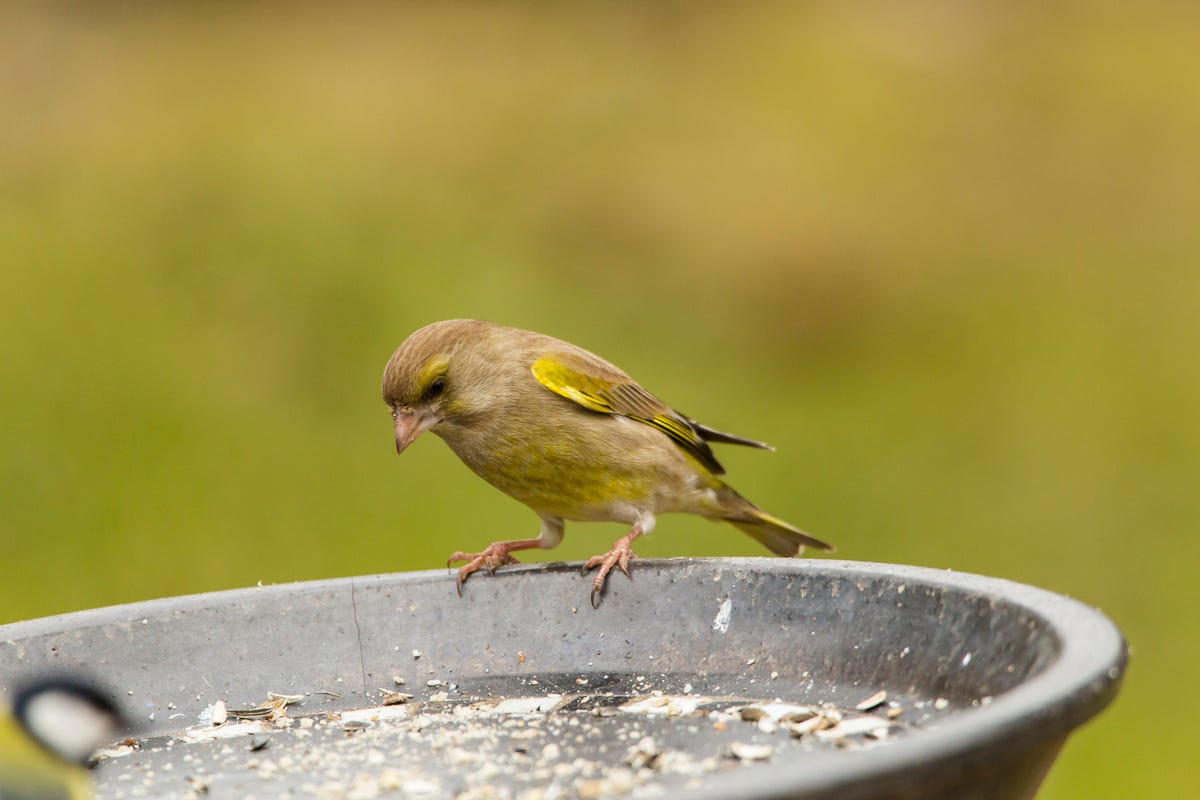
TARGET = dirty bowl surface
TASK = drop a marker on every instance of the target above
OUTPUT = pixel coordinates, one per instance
(752, 678)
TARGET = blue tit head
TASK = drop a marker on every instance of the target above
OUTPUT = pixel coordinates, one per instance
(67, 717)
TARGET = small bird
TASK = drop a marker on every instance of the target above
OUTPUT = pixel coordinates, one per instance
(47, 741)
(569, 435)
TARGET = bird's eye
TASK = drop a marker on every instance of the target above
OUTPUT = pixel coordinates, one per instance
(436, 388)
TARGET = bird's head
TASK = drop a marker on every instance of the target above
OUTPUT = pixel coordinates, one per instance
(67, 717)
(435, 376)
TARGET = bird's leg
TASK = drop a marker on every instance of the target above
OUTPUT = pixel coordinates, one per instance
(498, 554)
(617, 556)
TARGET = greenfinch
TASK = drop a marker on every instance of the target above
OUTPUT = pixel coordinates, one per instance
(49, 735)
(569, 435)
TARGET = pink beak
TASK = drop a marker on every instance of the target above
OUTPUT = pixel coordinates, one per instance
(410, 424)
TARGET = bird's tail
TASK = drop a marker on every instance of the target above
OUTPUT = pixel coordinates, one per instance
(774, 534)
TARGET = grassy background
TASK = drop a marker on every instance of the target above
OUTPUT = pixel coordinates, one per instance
(945, 257)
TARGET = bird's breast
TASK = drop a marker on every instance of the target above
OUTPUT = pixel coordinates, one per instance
(600, 468)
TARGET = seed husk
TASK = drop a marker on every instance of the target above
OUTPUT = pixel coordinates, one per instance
(872, 702)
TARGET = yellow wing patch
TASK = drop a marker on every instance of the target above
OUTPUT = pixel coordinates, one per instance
(626, 398)
(562, 380)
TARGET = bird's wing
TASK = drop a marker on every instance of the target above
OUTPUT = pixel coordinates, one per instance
(599, 386)
(713, 435)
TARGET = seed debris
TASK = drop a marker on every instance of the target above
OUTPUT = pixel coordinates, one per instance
(391, 698)
(589, 743)
(872, 702)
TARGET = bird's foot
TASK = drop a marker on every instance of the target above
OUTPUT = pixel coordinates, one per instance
(495, 555)
(618, 556)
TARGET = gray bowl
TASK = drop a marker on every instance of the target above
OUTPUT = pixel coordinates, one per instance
(984, 678)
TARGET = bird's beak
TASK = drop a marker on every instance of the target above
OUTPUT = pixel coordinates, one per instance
(410, 424)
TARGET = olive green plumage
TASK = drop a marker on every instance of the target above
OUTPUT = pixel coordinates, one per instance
(565, 432)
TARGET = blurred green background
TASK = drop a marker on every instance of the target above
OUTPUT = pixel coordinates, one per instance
(946, 257)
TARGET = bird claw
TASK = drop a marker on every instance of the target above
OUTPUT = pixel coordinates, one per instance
(618, 557)
(490, 559)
